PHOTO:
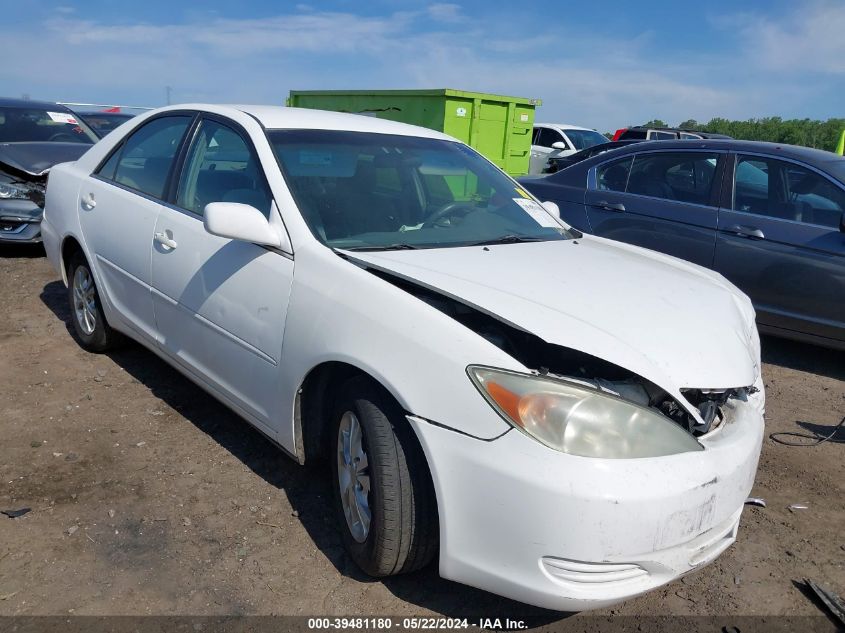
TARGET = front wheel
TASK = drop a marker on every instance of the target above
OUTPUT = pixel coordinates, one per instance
(383, 492)
(86, 311)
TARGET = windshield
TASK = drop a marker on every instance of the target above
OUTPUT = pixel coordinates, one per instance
(582, 139)
(360, 190)
(22, 125)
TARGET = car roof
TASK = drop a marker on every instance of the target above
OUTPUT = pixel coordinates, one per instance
(564, 125)
(610, 144)
(127, 115)
(642, 128)
(797, 152)
(286, 118)
(818, 158)
(27, 103)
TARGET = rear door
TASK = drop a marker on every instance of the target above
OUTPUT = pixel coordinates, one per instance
(662, 200)
(118, 207)
(779, 241)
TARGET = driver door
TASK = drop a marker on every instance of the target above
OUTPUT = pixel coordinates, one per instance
(220, 304)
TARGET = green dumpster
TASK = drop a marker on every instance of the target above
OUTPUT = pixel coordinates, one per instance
(840, 146)
(498, 127)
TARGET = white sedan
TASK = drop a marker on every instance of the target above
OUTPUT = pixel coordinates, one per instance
(558, 418)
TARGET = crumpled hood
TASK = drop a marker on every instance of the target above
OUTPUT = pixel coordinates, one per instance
(671, 322)
(37, 158)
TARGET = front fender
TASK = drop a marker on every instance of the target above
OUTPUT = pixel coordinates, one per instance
(341, 312)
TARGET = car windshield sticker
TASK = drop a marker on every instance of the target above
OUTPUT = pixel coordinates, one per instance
(536, 211)
(62, 117)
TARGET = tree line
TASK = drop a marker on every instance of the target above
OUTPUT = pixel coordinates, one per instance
(806, 132)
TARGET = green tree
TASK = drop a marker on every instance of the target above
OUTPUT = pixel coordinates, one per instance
(807, 132)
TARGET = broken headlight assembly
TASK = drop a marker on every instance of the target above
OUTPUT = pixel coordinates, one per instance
(21, 190)
(579, 420)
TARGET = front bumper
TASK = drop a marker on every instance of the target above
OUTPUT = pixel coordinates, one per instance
(20, 221)
(572, 533)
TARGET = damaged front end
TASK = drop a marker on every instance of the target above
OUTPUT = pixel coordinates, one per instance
(700, 412)
(21, 205)
(24, 168)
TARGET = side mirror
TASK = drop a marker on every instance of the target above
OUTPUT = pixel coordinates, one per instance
(559, 145)
(241, 222)
(842, 223)
(552, 208)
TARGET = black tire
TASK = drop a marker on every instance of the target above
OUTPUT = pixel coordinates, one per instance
(403, 532)
(102, 338)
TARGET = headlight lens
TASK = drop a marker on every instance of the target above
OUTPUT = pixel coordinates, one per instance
(21, 191)
(13, 191)
(578, 420)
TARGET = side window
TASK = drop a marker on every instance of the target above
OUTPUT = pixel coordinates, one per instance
(147, 155)
(535, 136)
(222, 167)
(107, 169)
(633, 134)
(657, 135)
(682, 176)
(788, 191)
(614, 176)
(549, 136)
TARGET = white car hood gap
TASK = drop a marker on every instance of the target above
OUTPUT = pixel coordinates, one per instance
(676, 325)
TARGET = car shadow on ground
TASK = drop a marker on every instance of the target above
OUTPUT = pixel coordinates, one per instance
(21, 251)
(803, 357)
(307, 488)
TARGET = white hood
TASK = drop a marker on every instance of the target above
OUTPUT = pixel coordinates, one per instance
(671, 322)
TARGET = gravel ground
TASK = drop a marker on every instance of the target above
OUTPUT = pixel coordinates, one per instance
(149, 497)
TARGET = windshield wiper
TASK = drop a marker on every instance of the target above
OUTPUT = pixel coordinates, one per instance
(390, 247)
(508, 239)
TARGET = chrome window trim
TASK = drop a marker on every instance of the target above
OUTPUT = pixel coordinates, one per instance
(831, 179)
(592, 174)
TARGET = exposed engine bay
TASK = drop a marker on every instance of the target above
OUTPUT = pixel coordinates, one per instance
(575, 366)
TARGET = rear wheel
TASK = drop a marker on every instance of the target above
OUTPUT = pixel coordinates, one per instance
(383, 493)
(86, 311)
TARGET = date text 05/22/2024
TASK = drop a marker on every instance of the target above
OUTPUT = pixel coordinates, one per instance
(386, 623)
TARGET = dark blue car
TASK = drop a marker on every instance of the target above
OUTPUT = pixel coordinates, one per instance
(768, 217)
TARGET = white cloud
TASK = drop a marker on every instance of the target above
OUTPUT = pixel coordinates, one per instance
(811, 39)
(445, 12)
(596, 80)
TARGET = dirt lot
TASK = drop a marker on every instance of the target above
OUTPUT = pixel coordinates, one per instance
(150, 497)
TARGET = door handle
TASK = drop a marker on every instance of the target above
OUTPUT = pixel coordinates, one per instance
(88, 202)
(165, 239)
(609, 206)
(742, 230)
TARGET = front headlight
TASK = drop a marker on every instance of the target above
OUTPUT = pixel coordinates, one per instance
(15, 192)
(21, 191)
(578, 420)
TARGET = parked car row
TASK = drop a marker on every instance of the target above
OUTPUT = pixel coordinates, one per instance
(556, 140)
(491, 388)
(558, 145)
(643, 133)
(557, 163)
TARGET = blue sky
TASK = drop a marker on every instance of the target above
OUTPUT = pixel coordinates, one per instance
(603, 64)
